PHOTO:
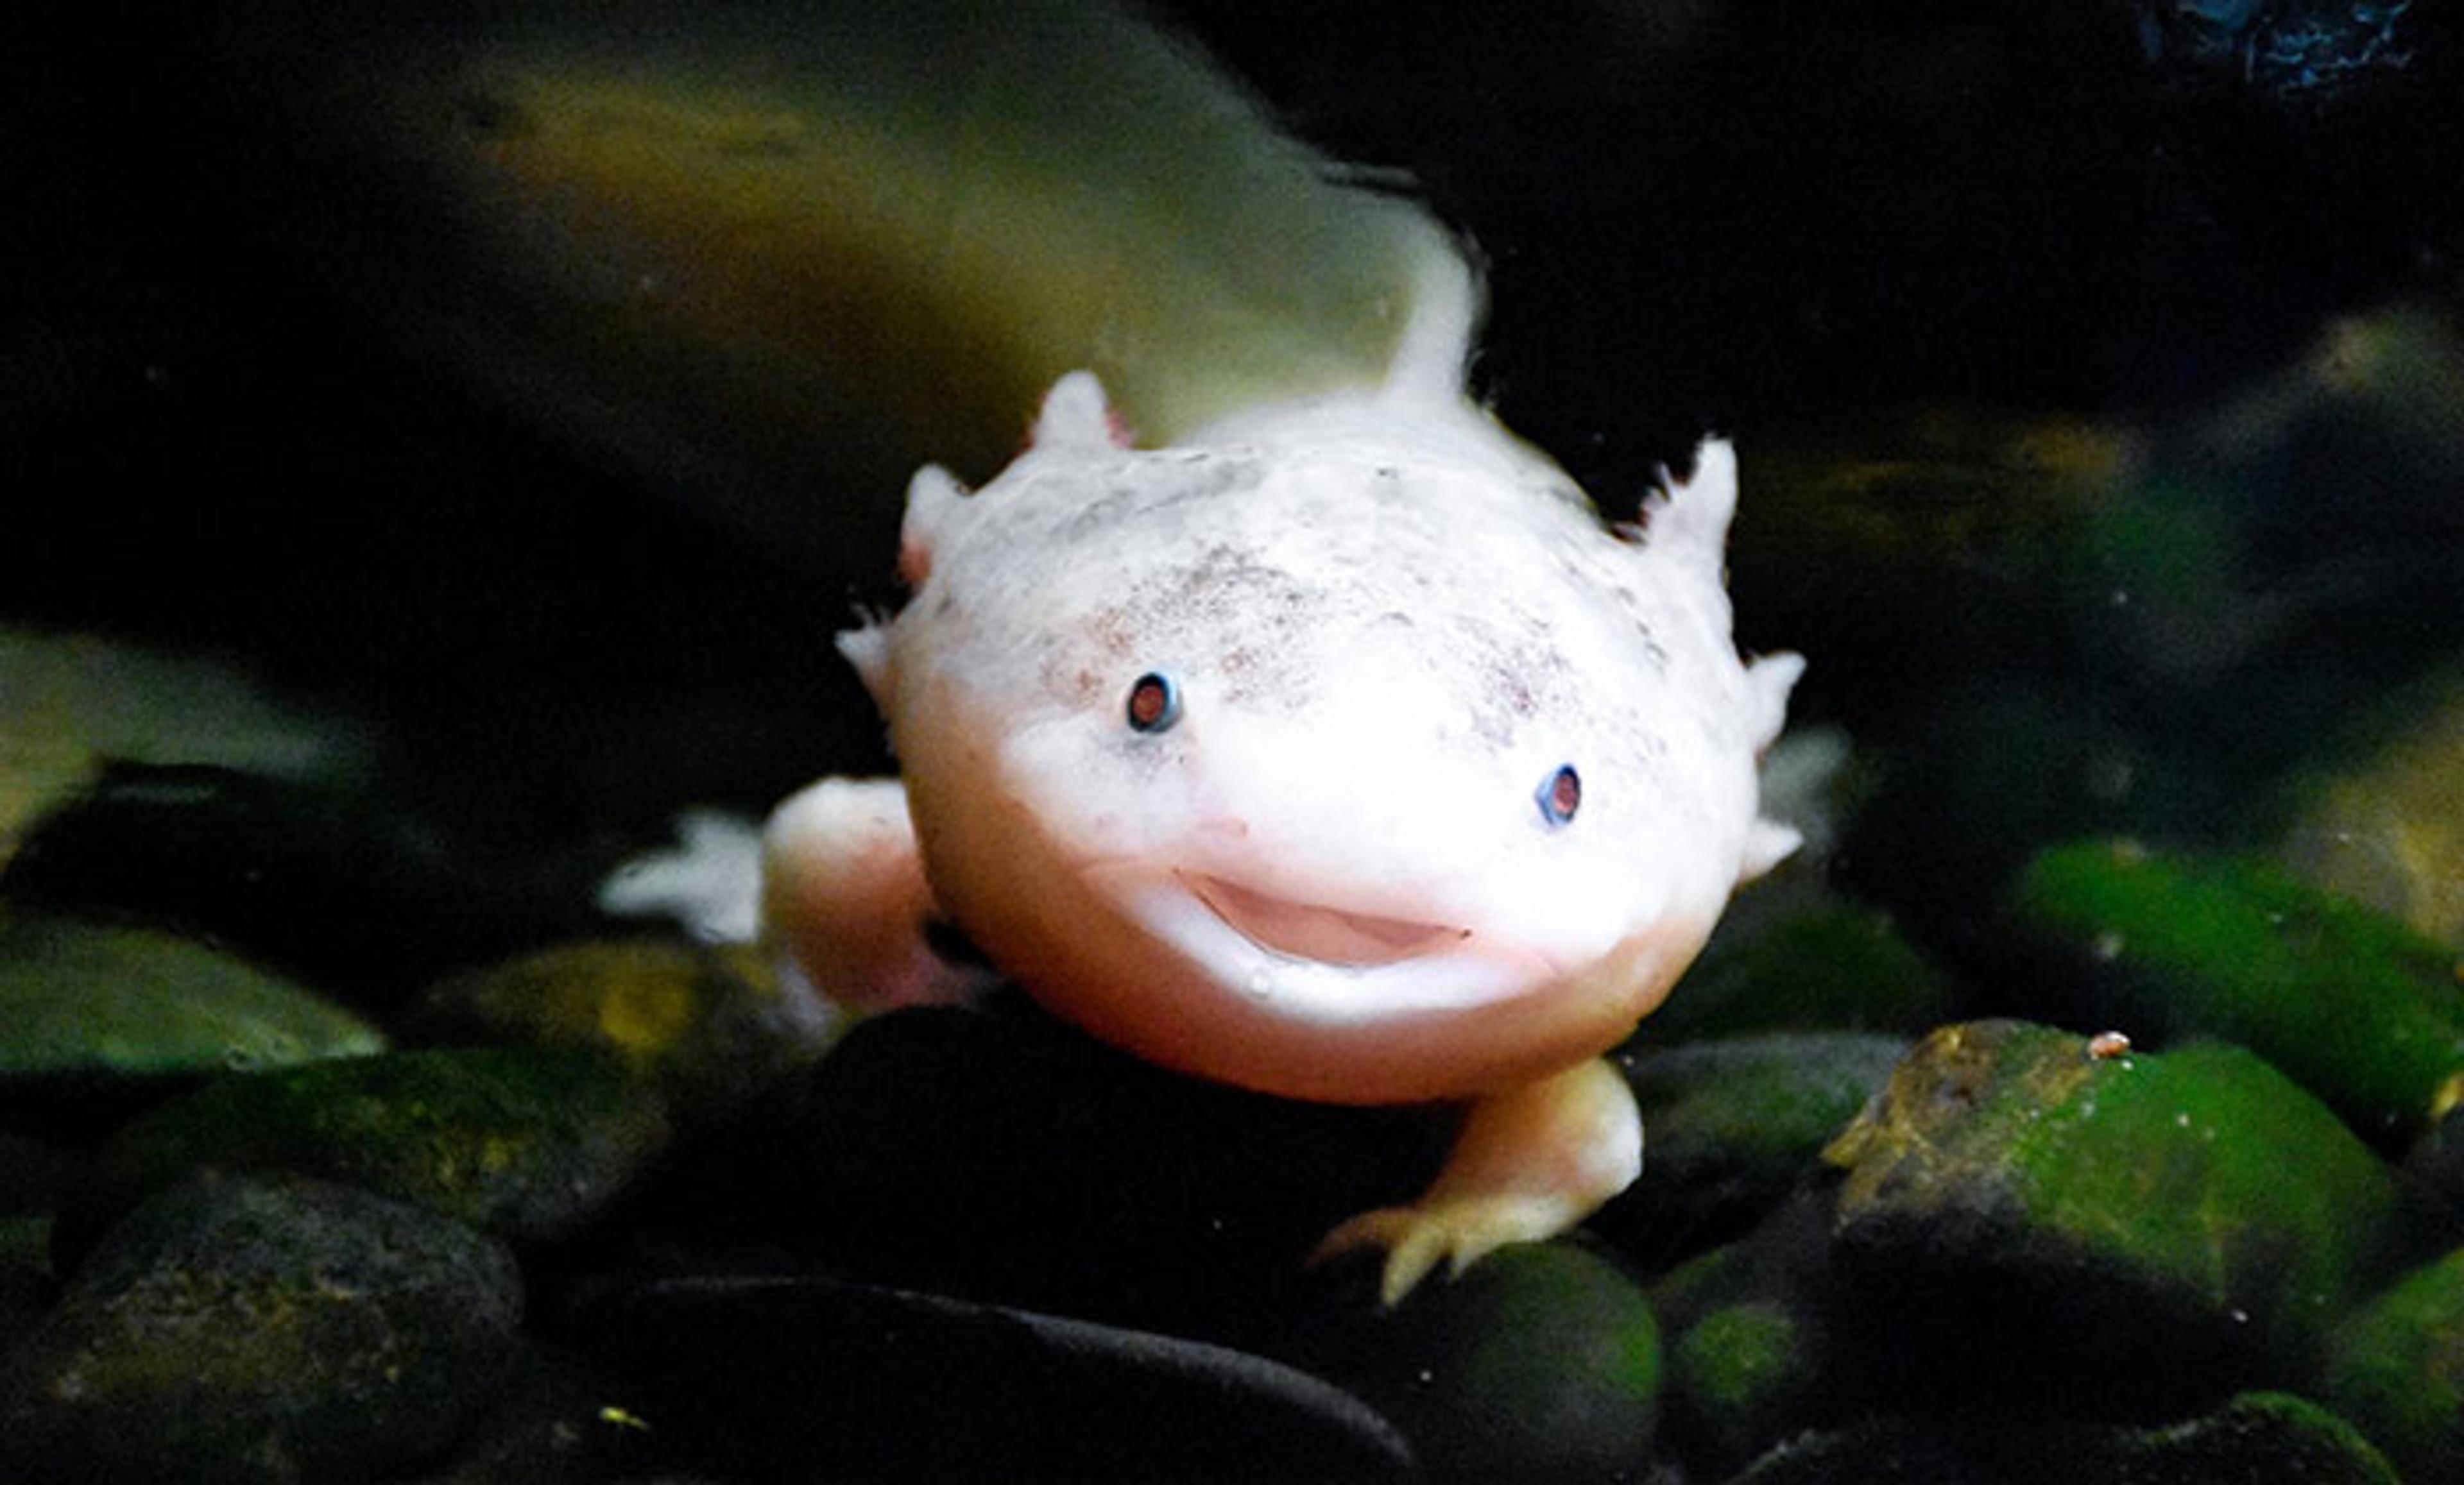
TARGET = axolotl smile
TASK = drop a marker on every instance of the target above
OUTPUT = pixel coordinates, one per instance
(1300, 931)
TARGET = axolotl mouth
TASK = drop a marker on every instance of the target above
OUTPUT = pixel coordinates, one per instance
(1324, 935)
(1319, 963)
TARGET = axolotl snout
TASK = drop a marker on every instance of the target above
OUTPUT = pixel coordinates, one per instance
(1339, 751)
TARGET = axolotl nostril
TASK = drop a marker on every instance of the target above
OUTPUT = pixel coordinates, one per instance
(1338, 751)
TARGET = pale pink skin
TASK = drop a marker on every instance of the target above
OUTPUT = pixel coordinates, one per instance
(1331, 877)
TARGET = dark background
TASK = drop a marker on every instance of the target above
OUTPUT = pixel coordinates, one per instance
(1725, 217)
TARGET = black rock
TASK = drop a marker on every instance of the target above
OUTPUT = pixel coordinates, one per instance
(809, 1378)
(529, 1144)
(366, 898)
(2254, 1436)
(1004, 1156)
(1541, 1362)
(254, 1331)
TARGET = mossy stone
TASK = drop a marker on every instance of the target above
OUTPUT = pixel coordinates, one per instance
(1786, 959)
(713, 1026)
(261, 1330)
(1542, 1360)
(1742, 1372)
(1751, 1350)
(2364, 1013)
(2398, 1371)
(1730, 1125)
(523, 1143)
(2117, 1230)
(2384, 830)
(87, 1002)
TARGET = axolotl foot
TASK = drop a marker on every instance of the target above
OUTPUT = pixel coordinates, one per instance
(1531, 1163)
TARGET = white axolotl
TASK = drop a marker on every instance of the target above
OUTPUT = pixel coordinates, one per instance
(1338, 751)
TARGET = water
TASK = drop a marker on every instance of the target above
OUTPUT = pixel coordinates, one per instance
(2098, 401)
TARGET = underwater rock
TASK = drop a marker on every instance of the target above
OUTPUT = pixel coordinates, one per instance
(711, 1026)
(1000, 1154)
(811, 1377)
(1914, 542)
(1744, 1370)
(2254, 1436)
(31, 1173)
(2035, 1214)
(1980, 772)
(247, 1330)
(1751, 1352)
(550, 1421)
(2436, 1159)
(528, 1144)
(25, 1286)
(367, 900)
(1731, 1127)
(2385, 831)
(1540, 1362)
(1786, 957)
(89, 1004)
(70, 703)
(2398, 1371)
(2360, 1010)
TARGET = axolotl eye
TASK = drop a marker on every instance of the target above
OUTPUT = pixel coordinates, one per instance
(1559, 795)
(1154, 703)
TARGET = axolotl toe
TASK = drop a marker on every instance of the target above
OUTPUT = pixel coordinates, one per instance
(1339, 751)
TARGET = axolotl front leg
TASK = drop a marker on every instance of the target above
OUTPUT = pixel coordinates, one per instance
(843, 895)
(1531, 1163)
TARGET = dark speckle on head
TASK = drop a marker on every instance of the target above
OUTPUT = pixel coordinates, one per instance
(1631, 603)
(1517, 671)
(1136, 492)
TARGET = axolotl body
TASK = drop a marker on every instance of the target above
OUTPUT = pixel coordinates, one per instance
(1339, 751)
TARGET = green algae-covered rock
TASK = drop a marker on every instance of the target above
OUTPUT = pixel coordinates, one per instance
(1540, 1362)
(1731, 1125)
(2254, 1436)
(1792, 959)
(526, 1143)
(88, 1002)
(2117, 1229)
(1743, 1372)
(247, 1330)
(2366, 1014)
(2386, 830)
(2398, 1371)
(1751, 1354)
(711, 1026)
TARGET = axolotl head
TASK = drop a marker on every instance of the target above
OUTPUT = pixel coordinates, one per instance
(1341, 753)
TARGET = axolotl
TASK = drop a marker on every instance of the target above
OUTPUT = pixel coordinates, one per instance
(1339, 751)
